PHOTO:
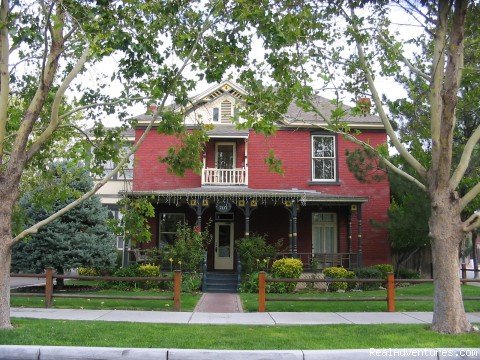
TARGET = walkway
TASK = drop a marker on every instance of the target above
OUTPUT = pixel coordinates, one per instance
(267, 318)
(219, 303)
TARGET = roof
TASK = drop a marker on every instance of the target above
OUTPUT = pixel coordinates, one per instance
(243, 192)
(227, 131)
(295, 115)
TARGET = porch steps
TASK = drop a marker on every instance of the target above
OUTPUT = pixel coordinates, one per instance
(221, 282)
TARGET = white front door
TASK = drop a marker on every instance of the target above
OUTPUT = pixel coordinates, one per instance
(223, 246)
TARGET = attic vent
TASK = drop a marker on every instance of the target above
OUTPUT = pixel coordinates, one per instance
(226, 111)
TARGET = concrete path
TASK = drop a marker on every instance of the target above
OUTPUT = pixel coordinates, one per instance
(267, 318)
(219, 303)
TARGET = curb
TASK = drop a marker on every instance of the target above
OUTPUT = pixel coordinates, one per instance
(32, 352)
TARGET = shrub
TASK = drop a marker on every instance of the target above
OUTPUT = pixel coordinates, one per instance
(253, 251)
(384, 269)
(188, 250)
(286, 268)
(408, 274)
(86, 271)
(191, 282)
(250, 283)
(129, 271)
(149, 270)
(338, 272)
(369, 273)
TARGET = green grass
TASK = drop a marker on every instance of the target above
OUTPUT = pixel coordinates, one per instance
(188, 301)
(250, 301)
(98, 333)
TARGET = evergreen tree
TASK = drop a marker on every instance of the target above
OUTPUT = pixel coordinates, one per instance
(81, 237)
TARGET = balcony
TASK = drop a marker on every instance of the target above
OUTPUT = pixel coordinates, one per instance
(225, 177)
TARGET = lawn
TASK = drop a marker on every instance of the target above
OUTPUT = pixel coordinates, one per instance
(188, 300)
(99, 333)
(250, 301)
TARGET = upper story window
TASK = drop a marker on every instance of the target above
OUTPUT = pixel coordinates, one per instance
(323, 158)
(126, 173)
(216, 116)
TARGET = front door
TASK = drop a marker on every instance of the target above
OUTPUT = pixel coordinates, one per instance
(223, 246)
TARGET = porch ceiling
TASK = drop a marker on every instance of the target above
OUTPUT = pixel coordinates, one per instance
(241, 192)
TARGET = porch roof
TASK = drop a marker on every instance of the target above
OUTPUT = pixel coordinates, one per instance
(243, 192)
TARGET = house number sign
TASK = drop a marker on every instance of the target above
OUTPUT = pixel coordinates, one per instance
(223, 206)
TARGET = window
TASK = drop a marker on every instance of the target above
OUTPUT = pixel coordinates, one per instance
(323, 158)
(324, 233)
(126, 173)
(114, 213)
(216, 113)
(168, 228)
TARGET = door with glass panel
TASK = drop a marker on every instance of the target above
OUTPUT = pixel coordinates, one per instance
(324, 233)
(223, 246)
(225, 160)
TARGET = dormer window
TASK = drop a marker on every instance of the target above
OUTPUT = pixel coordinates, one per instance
(216, 113)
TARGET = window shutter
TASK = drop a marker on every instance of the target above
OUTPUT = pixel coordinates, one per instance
(226, 111)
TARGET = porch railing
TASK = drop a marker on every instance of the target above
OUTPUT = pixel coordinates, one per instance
(312, 261)
(214, 176)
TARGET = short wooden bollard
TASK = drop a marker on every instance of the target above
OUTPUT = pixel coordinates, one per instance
(48, 287)
(390, 292)
(177, 288)
(464, 273)
(261, 291)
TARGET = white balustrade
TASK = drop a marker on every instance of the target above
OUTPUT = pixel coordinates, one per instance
(213, 176)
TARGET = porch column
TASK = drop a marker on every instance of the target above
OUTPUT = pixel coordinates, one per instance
(294, 228)
(349, 229)
(290, 232)
(199, 211)
(247, 218)
(360, 251)
(246, 162)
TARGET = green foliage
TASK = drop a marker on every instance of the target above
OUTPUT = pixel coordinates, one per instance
(286, 268)
(337, 272)
(369, 273)
(365, 164)
(191, 282)
(188, 250)
(250, 282)
(253, 252)
(85, 271)
(384, 269)
(79, 238)
(274, 163)
(408, 274)
(136, 212)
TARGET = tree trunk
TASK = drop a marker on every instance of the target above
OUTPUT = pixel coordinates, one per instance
(5, 260)
(446, 232)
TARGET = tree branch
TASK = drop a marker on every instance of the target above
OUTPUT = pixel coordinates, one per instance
(33, 229)
(54, 117)
(469, 196)
(465, 159)
(381, 112)
(4, 74)
(407, 62)
(472, 223)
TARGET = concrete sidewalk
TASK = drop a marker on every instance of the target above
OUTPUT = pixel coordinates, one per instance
(267, 318)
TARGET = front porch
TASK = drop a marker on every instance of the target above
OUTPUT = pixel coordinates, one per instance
(322, 230)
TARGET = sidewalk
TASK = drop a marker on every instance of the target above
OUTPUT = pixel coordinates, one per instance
(267, 318)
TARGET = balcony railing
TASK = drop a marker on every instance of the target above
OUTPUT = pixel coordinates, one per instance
(214, 176)
(322, 260)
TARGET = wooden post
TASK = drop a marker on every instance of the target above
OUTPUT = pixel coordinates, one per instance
(48, 287)
(464, 273)
(390, 293)
(177, 287)
(261, 291)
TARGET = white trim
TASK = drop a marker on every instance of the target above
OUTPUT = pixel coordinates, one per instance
(234, 165)
(334, 158)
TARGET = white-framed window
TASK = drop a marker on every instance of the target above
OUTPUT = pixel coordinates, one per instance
(126, 173)
(323, 158)
(168, 228)
(215, 114)
(114, 213)
(324, 233)
(225, 155)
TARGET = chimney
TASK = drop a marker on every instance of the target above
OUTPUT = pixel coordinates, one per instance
(152, 108)
(364, 104)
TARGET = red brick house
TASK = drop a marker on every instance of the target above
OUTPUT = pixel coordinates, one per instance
(317, 207)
